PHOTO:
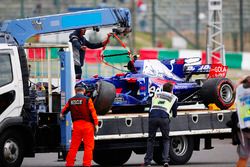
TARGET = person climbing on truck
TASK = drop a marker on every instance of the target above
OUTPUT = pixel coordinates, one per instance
(85, 123)
(80, 43)
(131, 66)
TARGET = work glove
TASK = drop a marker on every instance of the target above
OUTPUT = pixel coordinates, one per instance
(62, 117)
(96, 129)
(83, 48)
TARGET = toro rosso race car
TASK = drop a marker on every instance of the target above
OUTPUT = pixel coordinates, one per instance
(133, 91)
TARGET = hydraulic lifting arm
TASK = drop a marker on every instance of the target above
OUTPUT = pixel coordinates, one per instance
(22, 29)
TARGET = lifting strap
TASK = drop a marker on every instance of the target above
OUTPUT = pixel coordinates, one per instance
(122, 44)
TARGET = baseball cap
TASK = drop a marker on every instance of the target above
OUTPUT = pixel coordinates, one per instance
(80, 85)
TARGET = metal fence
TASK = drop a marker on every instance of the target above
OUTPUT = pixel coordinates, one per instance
(187, 17)
(44, 64)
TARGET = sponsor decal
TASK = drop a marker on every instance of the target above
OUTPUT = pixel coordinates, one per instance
(76, 102)
(218, 70)
(204, 68)
(153, 89)
(37, 24)
(119, 99)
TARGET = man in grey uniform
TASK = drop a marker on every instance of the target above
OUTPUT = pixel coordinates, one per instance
(80, 43)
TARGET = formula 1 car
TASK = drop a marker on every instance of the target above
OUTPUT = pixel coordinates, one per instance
(133, 91)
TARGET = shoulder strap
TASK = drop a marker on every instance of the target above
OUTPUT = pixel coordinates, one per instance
(87, 101)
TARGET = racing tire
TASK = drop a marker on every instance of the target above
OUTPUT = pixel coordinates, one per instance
(12, 149)
(106, 95)
(219, 91)
(111, 157)
(180, 150)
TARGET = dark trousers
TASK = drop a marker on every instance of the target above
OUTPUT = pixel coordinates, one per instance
(154, 124)
(78, 72)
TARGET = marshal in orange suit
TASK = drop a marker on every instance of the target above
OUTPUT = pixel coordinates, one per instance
(85, 124)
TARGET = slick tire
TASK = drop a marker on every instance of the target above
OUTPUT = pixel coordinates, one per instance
(219, 91)
(106, 95)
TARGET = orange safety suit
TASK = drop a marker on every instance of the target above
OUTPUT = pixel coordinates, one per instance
(84, 119)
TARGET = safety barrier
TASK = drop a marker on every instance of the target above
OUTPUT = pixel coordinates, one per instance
(115, 56)
(235, 60)
(38, 62)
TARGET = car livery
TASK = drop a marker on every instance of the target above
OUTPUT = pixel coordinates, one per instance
(134, 91)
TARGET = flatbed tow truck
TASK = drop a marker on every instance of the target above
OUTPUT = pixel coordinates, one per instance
(126, 132)
(25, 131)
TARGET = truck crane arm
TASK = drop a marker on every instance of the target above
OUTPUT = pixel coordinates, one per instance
(22, 29)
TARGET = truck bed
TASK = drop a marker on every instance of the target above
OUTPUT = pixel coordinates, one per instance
(188, 122)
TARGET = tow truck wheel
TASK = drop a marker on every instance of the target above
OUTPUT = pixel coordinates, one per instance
(180, 150)
(105, 98)
(11, 146)
(219, 91)
(111, 157)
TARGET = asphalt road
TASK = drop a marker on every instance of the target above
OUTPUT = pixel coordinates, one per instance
(223, 155)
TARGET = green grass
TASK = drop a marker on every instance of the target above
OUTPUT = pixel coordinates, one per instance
(144, 40)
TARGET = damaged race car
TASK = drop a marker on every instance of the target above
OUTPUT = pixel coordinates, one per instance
(133, 91)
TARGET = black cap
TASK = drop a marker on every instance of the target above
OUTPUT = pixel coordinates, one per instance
(80, 85)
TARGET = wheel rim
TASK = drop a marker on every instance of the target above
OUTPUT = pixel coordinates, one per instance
(226, 93)
(11, 151)
(179, 145)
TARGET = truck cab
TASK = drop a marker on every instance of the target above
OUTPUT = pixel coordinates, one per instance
(15, 134)
(11, 86)
(24, 130)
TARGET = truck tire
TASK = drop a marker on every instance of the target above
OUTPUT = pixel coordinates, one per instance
(12, 153)
(111, 157)
(140, 150)
(106, 95)
(180, 150)
(219, 91)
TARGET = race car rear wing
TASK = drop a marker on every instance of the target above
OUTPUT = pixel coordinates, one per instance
(214, 70)
(186, 67)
